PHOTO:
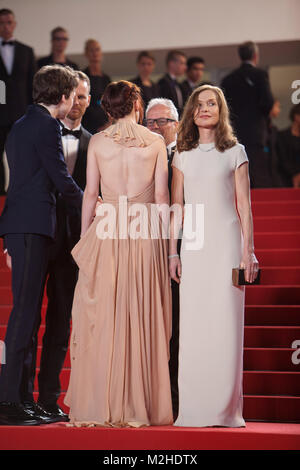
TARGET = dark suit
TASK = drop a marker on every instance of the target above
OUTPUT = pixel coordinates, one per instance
(248, 93)
(62, 278)
(148, 92)
(174, 343)
(187, 90)
(18, 93)
(28, 224)
(288, 150)
(167, 89)
(48, 60)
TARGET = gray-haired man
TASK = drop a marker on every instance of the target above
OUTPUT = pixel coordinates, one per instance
(162, 118)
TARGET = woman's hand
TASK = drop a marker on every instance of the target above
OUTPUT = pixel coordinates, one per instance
(175, 268)
(250, 264)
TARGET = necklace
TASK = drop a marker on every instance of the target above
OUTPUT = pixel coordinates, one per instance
(207, 147)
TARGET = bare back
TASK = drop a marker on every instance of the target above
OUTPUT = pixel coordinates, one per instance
(126, 169)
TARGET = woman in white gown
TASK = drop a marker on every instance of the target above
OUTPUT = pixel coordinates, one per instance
(211, 169)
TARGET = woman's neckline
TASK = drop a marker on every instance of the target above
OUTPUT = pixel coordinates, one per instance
(206, 147)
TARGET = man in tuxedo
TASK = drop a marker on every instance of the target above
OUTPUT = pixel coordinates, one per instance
(168, 85)
(247, 90)
(288, 148)
(62, 268)
(59, 43)
(162, 118)
(194, 73)
(28, 223)
(17, 68)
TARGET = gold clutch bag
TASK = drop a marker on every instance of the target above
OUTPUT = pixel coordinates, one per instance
(238, 278)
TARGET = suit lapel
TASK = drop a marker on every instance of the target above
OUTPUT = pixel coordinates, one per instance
(16, 58)
(3, 71)
(80, 164)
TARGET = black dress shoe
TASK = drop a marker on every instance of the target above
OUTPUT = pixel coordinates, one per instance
(14, 414)
(56, 412)
(38, 411)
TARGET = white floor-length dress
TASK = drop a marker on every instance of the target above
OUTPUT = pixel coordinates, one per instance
(211, 308)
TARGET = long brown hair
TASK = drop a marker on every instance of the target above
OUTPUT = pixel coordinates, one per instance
(188, 133)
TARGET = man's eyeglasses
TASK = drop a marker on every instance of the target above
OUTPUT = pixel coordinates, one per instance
(161, 122)
(60, 39)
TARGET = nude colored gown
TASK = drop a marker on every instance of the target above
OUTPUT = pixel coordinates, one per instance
(121, 318)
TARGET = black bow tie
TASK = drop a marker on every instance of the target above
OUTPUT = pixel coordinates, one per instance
(76, 134)
(8, 43)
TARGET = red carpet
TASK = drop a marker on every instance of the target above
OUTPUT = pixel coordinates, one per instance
(271, 379)
(263, 436)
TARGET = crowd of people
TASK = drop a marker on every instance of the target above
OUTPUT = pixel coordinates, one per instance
(247, 90)
(147, 312)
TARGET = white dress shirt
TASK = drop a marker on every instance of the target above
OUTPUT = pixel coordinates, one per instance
(70, 148)
(170, 147)
(8, 55)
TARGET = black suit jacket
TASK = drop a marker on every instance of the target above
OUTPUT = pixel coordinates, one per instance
(167, 90)
(68, 216)
(170, 168)
(248, 93)
(18, 84)
(48, 60)
(37, 170)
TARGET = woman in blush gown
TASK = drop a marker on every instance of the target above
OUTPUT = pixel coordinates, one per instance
(121, 317)
(211, 173)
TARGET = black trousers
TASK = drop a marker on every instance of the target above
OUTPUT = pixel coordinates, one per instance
(63, 274)
(174, 343)
(4, 131)
(174, 348)
(30, 256)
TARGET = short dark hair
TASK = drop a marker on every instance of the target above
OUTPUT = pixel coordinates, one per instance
(247, 50)
(83, 76)
(6, 11)
(194, 60)
(118, 99)
(144, 54)
(294, 110)
(58, 29)
(172, 55)
(51, 82)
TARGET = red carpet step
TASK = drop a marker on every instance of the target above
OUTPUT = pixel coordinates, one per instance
(276, 240)
(260, 436)
(275, 208)
(275, 194)
(272, 315)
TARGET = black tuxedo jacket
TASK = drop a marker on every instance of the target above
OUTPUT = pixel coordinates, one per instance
(167, 90)
(18, 84)
(68, 216)
(37, 171)
(248, 93)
